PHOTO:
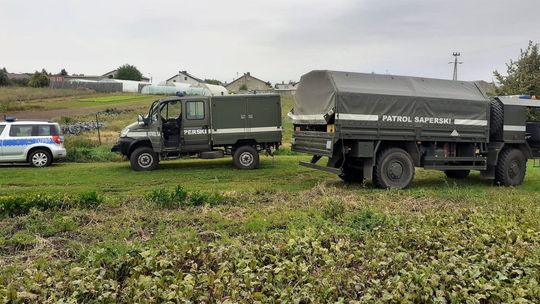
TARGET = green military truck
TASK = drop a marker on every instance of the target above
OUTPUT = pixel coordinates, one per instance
(380, 127)
(207, 127)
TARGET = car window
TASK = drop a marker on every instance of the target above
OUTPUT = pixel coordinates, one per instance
(47, 130)
(2, 127)
(195, 110)
(172, 110)
(20, 131)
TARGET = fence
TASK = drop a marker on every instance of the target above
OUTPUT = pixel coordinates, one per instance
(104, 87)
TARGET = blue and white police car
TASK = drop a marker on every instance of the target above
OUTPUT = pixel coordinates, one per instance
(38, 143)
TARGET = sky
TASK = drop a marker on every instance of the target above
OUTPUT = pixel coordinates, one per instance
(277, 40)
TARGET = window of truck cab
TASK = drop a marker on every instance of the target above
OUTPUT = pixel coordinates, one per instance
(2, 127)
(195, 110)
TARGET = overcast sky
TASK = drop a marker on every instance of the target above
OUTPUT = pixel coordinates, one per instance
(276, 40)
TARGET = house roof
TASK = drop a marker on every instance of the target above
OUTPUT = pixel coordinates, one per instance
(185, 73)
(246, 74)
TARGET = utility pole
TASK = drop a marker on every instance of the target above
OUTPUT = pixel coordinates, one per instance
(455, 62)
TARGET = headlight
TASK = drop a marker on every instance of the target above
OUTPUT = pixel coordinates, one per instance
(124, 132)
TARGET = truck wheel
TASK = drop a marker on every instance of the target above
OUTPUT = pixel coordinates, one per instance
(496, 119)
(143, 159)
(40, 158)
(394, 169)
(457, 174)
(246, 158)
(511, 167)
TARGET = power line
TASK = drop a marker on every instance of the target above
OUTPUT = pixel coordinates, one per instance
(455, 62)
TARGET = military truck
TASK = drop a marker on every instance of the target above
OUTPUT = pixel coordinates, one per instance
(207, 127)
(380, 127)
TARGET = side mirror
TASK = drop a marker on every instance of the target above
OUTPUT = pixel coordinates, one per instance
(141, 120)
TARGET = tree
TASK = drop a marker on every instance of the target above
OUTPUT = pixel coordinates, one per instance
(63, 72)
(213, 81)
(4, 79)
(39, 80)
(523, 76)
(128, 72)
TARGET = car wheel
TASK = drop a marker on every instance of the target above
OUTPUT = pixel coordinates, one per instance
(144, 159)
(40, 158)
(457, 174)
(394, 169)
(246, 158)
(511, 168)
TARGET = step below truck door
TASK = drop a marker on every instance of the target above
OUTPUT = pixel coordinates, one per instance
(264, 118)
(228, 119)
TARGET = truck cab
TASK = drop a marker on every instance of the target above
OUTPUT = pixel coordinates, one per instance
(207, 127)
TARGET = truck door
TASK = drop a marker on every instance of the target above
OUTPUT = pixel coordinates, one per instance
(229, 119)
(194, 132)
(171, 118)
(263, 114)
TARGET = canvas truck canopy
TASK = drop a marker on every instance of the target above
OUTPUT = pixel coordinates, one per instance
(386, 98)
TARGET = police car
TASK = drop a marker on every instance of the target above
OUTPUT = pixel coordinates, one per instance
(35, 142)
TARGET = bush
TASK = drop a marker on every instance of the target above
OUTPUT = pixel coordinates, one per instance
(285, 151)
(21, 205)
(90, 199)
(41, 223)
(39, 80)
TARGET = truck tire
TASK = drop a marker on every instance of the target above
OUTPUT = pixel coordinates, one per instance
(246, 158)
(457, 174)
(144, 159)
(40, 158)
(394, 169)
(496, 119)
(511, 168)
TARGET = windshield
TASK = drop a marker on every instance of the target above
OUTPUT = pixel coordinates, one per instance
(152, 114)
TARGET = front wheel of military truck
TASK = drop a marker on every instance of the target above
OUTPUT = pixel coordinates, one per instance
(394, 169)
(246, 158)
(144, 159)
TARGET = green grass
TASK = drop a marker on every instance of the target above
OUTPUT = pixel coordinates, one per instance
(114, 98)
(27, 94)
(282, 233)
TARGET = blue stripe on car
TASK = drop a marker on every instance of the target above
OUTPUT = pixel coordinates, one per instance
(25, 142)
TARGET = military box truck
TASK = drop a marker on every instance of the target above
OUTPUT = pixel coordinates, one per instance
(380, 127)
(207, 127)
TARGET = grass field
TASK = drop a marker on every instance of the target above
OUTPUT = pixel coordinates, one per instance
(279, 233)
(201, 231)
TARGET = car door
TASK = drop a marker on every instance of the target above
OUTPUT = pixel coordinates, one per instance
(2, 128)
(194, 130)
(16, 141)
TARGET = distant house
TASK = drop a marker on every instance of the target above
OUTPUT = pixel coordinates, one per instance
(286, 88)
(112, 74)
(19, 76)
(248, 83)
(184, 77)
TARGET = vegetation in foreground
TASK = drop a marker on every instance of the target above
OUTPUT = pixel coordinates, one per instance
(200, 231)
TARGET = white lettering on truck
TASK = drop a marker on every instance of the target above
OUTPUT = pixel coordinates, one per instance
(195, 131)
(417, 119)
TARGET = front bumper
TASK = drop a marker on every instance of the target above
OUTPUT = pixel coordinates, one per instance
(122, 145)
